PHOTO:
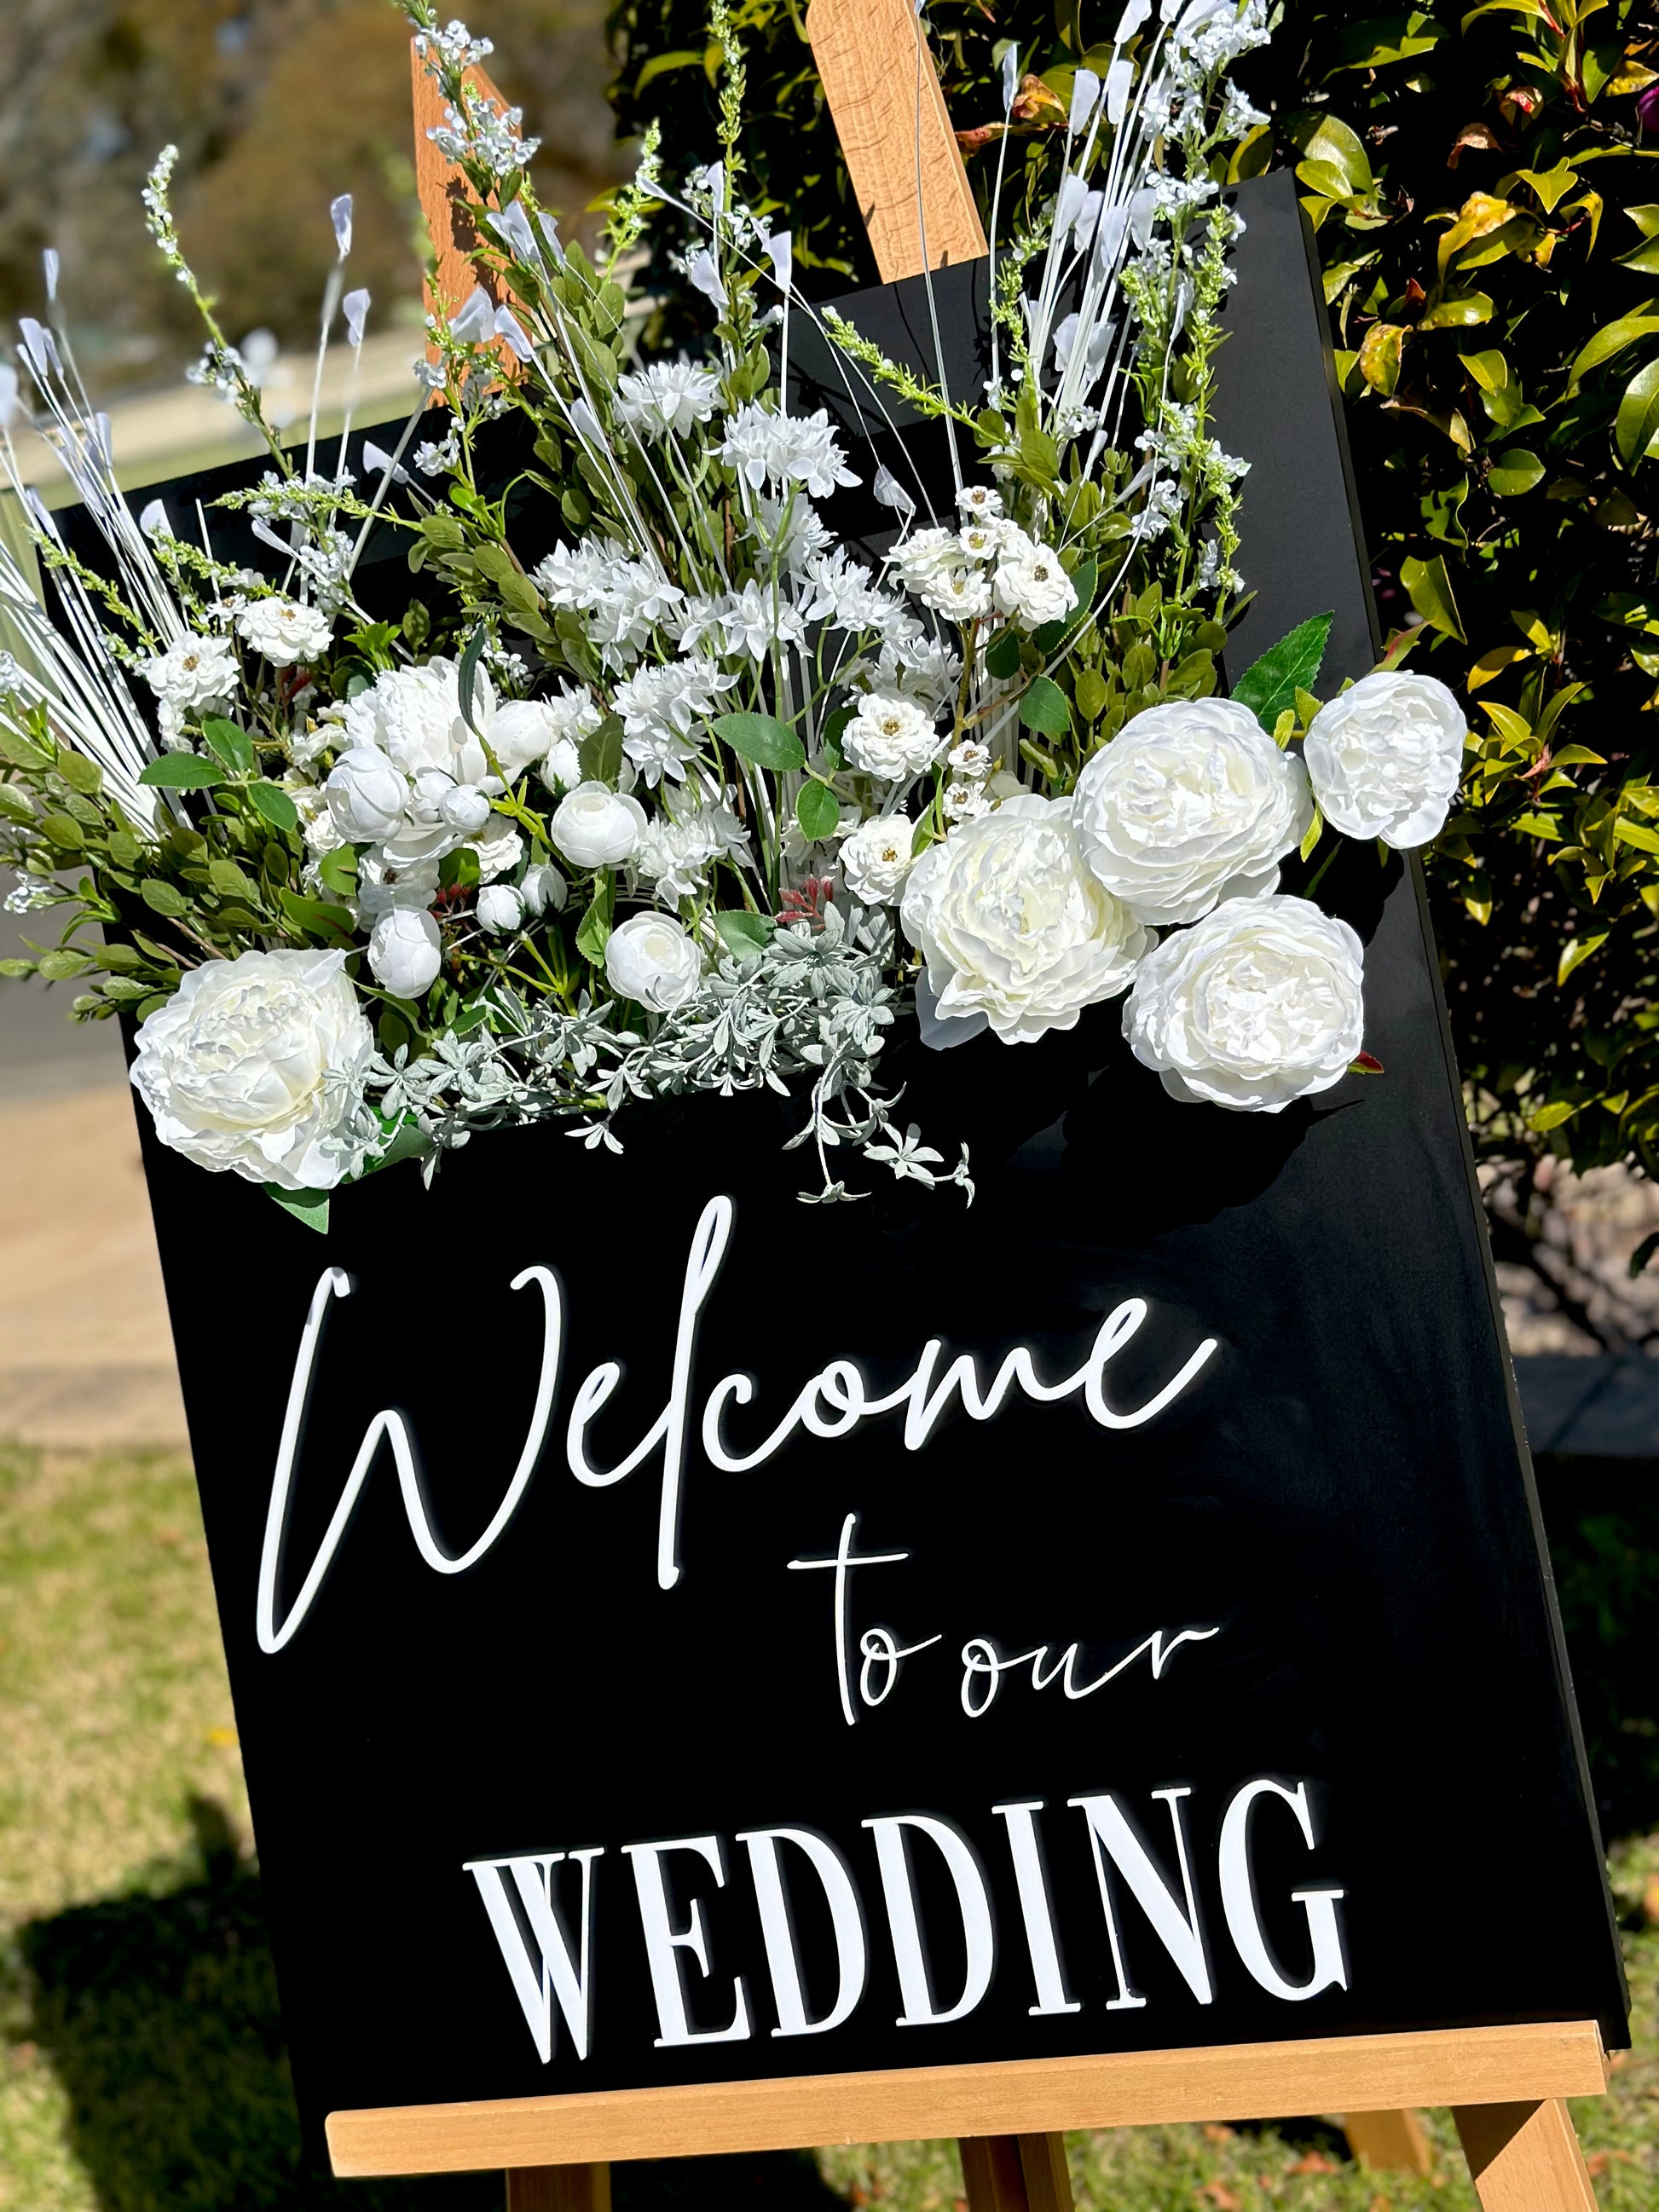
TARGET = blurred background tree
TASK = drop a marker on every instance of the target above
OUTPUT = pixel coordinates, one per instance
(1487, 216)
(276, 107)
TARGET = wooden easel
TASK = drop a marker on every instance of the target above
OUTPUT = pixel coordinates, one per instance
(1506, 2086)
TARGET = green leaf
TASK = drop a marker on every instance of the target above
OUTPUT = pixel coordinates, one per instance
(1044, 706)
(1093, 694)
(761, 738)
(1612, 338)
(79, 773)
(15, 803)
(310, 1206)
(1643, 1253)
(274, 803)
(745, 934)
(1051, 635)
(1429, 588)
(466, 675)
(1551, 1116)
(161, 898)
(1269, 685)
(1514, 471)
(1636, 432)
(337, 871)
(59, 966)
(1002, 656)
(1333, 144)
(1457, 314)
(312, 919)
(230, 746)
(830, 736)
(817, 811)
(1634, 833)
(594, 933)
(601, 752)
(659, 64)
(1576, 952)
(181, 772)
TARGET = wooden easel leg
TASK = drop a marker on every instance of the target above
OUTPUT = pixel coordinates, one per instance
(1388, 2142)
(559, 2189)
(1016, 2173)
(1524, 2158)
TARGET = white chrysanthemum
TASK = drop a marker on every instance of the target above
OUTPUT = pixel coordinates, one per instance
(284, 632)
(661, 707)
(890, 738)
(876, 858)
(1012, 925)
(1192, 803)
(1384, 758)
(623, 599)
(255, 1065)
(193, 672)
(675, 857)
(770, 451)
(1258, 1004)
(753, 623)
(668, 398)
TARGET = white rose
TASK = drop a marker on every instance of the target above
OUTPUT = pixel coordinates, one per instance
(404, 951)
(465, 809)
(522, 730)
(595, 827)
(368, 796)
(284, 632)
(1384, 758)
(195, 672)
(1030, 584)
(499, 849)
(255, 1064)
(543, 887)
(876, 858)
(1191, 804)
(501, 909)
(1014, 926)
(890, 738)
(560, 765)
(1258, 1004)
(652, 960)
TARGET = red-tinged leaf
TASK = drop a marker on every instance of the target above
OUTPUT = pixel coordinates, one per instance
(1365, 1064)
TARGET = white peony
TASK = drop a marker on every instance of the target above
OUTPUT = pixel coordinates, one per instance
(284, 632)
(1191, 804)
(890, 738)
(1012, 925)
(255, 1065)
(405, 951)
(595, 827)
(1385, 757)
(650, 959)
(1258, 1004)
(368, 795)
(876, 858)
(1031, 585)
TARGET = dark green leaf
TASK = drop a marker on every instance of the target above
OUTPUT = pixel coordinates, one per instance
(181, 772)
(1044, 706)
(1269, 685)
(337, 871)
(601, 752)
(744, 933)
(231, 746)
(594, 932)
(466, 675)
(1002, 656)
(312, 919)
(817, 811)
(161, 898)
(761, 738)
(274, 803)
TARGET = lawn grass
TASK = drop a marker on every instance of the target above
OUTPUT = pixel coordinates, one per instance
(142, 2067)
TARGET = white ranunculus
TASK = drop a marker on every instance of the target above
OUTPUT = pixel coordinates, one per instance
(498, 848)
(595, 827)
(543, 887)
(1012, 925)
(465, 809)
(876, 858)
(1191, 804)
(405, 951)
(1384, 758)
(523, 729)
(284, 632)
(650, 959)
(255, 1064)
(1258, 1004)
(560, 765)
(1030, 584)
(501, 909)
(193, 672)
(368, 794)
(890, 738)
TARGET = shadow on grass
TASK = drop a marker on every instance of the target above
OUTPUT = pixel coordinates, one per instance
(158, 2013)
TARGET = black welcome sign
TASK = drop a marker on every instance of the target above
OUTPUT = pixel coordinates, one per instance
(681, 1636)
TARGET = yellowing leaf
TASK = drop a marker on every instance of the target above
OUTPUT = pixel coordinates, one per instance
(1457, 314)
(1551, 1116)
(1576, 952)
(1494, 663)
(1490, 370)
(1379, 357)
(1429, 588)
(1550, 185)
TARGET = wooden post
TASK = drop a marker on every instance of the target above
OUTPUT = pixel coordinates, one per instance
(449, 209)
(559, 2189)
(1016, 2173)
(1524, 2158)
(895, 131)
(1388, 2142)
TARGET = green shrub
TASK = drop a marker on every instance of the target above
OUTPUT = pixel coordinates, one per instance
(1488, 213)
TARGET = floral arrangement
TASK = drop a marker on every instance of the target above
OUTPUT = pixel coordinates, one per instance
(706, 798)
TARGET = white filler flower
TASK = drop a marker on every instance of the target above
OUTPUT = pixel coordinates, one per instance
(652, 960)
(594, 827)
(1258, 1004)
(1014, 926)
(890, 738)
(1385, 757)
(876, 858)
(1192, 804)
(255, 1064)
(284, 632)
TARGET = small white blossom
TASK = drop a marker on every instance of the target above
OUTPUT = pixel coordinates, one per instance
(877, 858)
(667, 399)
(193, 672)
(769, 450)
(284, 632)
(890, 738)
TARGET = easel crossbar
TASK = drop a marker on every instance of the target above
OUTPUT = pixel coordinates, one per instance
(1255, 2080)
